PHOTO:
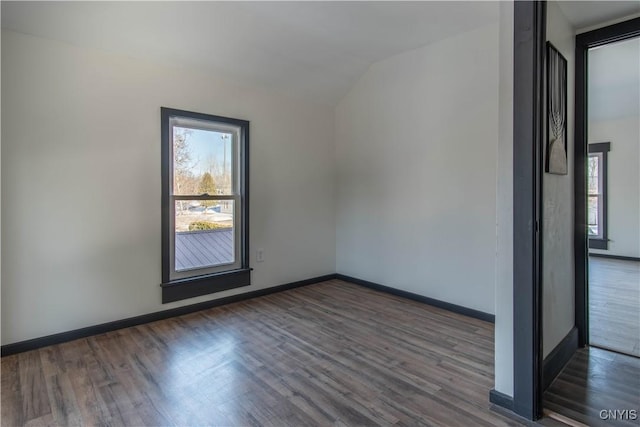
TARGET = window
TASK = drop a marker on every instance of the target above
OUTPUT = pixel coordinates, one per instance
(204, 204)
(597, 195)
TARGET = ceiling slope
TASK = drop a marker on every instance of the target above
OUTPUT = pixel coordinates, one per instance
(314, 50)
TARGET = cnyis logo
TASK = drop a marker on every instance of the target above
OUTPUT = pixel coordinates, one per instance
(619, 414)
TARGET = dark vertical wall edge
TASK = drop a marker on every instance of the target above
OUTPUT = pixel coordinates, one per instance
(617, 32)
(529, 50)
(580, 197)
(165, 162)
(245, 176)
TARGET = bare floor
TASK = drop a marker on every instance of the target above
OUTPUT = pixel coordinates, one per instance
(595, 382)
(599, 387)
(614, 305)
(327, 354)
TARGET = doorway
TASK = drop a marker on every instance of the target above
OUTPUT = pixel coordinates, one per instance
(607, 158)
(603, 376)
(613, 195)
(529, 45)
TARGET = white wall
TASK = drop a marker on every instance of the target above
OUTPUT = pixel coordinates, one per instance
(504, 207)
(81, 183)
(624, 183)
(416, 142)
(558, 304)
(614, 116)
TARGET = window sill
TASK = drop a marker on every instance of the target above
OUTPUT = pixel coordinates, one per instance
(177, 290)
(598, 243)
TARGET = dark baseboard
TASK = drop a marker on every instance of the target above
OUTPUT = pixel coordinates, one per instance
(409, 295)
(62, 337)
(620, 257)
(559, 357)
(501, 399)
(35, 343)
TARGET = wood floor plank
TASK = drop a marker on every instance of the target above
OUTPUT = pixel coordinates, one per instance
(333, 353)
(614, 305)
(35, 402)
(11, 393)
(63, 401)
(596, 380)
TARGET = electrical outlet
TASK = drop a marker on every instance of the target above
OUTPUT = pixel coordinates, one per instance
(260, 255)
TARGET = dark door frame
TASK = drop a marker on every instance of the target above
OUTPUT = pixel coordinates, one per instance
(528, 127)
(585, 41)
(528, 96)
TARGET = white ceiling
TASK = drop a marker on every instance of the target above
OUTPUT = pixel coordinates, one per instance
(584, 14)
(316, 50)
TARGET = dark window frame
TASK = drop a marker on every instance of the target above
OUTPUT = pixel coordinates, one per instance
(203, 284)
(601, 148)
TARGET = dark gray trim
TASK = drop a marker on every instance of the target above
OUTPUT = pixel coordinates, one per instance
(618, 257)
(602, 243)
(165, 169)
(559, 357)
(487, 317)
(244, 191)
(580, 233)
(501, 399)
(598, 243)
(610, 34)
(585, 41)
(528, 131)
(206, 284)
(202, 285)
(33, 344)
(600, 147)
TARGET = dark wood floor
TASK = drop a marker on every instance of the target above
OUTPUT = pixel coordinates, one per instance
(596, 380)
(614, 305)
(327, 354)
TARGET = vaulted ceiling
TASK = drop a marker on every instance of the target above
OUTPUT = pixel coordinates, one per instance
(316, 50)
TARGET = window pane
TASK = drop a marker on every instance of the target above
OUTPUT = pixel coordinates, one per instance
(593, 173)
(203, 234)
(202, 161)
(593, 215)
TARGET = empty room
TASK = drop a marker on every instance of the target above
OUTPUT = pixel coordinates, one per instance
(294, 213)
